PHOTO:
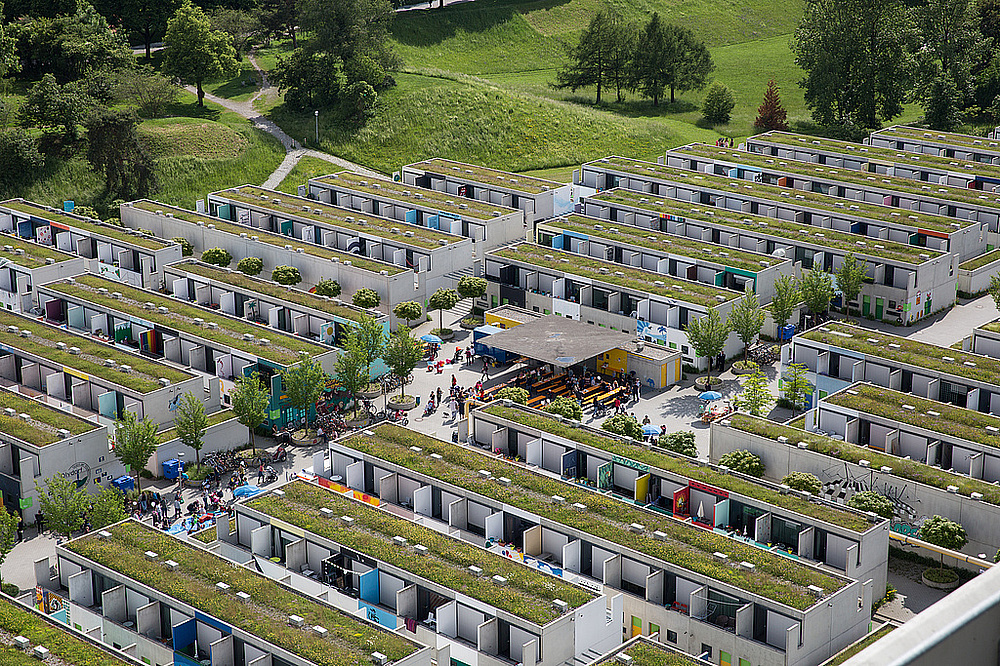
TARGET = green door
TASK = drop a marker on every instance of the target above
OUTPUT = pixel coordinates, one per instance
(879, 307)
(866, 306)
(927, 306)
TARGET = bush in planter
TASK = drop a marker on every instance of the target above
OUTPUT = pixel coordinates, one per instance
(366, 298)
(566, 407)
(625, 425)
(943, 576)
(217, 256)
(187, 249)
(328, 287)
(744, 462)
(803, 481)
(514, 394)
(286, 275)
(250, 265)
(408, 311)
(11, 590)
(869, 500)
(944, 533)
(680, 442)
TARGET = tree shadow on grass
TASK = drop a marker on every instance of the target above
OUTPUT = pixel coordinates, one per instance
(429, 27)
(191, 110)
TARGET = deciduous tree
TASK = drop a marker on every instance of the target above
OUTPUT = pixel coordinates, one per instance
(303, 383)
(113, 146)
(718, 105)
(63, 503)
(817, 289)
(707, 336)
(786, 298)
(795, 386)
(351, 368)
(8, 532)
(366, 298)
(756, 397)
(943, 532)
(135, 442)
(441, 300)
(250, 399)
(402, 354)
(371, 340)
(850, 277)
(191, 423)
(746, 319)
(408, 311)
(194, 51)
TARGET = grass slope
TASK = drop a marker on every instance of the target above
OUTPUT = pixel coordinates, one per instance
(474, 121)
(308, 167)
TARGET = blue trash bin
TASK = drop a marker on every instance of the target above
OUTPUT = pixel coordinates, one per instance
(171, 468)
(124, 483)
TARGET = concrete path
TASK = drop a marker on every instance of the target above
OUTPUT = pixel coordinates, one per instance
(943, 328)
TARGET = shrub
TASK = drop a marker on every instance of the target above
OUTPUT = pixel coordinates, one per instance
(625, 425)
(366, 298)
(869, 500)
(408, 311)
(19, 156)
(938, 575)
(744, 462)
(250, 265)
(566, 407)
(803, 481)
(719, 103)
(680, 442)
(360, 102)
(514, 394)
(187, 248)
(11, 590)
(286, 275)
(945, 533)
(217, 256)
(328, 287)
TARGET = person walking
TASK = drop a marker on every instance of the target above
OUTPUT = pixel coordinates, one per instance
(260, 473)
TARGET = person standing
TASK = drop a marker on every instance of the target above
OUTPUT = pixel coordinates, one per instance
(20, 528)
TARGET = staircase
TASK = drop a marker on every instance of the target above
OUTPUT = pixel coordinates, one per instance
(584, 659)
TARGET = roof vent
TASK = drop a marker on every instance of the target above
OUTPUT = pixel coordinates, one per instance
(75, 351)
(295, 620)
(124, 368)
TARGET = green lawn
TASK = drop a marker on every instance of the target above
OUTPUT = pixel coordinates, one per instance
(308, 167)
(240, 88)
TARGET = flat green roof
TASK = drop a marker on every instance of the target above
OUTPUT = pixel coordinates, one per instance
(528, 593)
(45, 423)
(775, 577)
(791, 196)
(213, 419)
(512, 181)
(840, 450)
(879, 155)
(273, 289)
(647, 652)
(406, 194)
(277, 240)
(35, 255)
(677, 464)
(280, 203)
(937, 136)
(143, 377)
(940, 417)
(906, 350)
(350, 641)
(981, 260)
(69, 648)
(108, 230)
(791, 231)
(731, 257)
(631, 278)
(905, 186)
(283, 349)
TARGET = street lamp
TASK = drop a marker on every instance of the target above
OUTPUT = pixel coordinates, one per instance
(316, 112)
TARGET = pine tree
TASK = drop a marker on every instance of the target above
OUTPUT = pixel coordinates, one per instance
(771, 115)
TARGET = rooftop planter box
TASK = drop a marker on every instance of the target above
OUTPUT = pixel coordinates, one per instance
(45, 421)
(350, 641)
(106, 230)
(35, 255)
(677, 464)
(775, 577)
(646, 652)
(486, 176)
(906, 469)
(528, 594)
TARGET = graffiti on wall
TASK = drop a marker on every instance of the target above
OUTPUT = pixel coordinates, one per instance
(840, 483)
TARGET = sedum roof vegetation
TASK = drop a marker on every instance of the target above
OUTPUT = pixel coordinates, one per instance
(981, 260)
(794, 232)
(280, 203)
(397, 191)
(840, 174)
(283, 348)
(906, 469)
(662, 243)
(939, 417)
(268, 238)
(679, 465)
(906, 350)
(62, 644)
(647, 652)
(45, 423)
(937, 136)
(35, 254)
(143, 377)
(528, 593)
(685, 546)
(253, 284)
(477, 174)
(630, 278)
(798, 198)
(349, 642)
(108, 230)
(881, 155)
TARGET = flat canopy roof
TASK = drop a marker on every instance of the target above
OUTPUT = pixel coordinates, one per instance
(557, 340)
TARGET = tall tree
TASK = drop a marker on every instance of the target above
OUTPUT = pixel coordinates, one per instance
(669, 56)
(370, 339)
(623, 37)
(590, 59)
(771, 115)
(113, 146)
(63, 503)
(693, 64)
(350, 28)
(708, 336)
(471, 287)
(441, 300)
(194, 51)
(351, 368)
(756, 397)
(191, 423)
(994, 289)
(943, 532)
(135, 442)
(402, 355)
(242, 26)
(146, 19)
(858, 60)
(250, 399)
(951, 43)
(850, 277)
(304, 383)
(746, 319)
(106, 507)
(279, 17)
(795, 385)
(784, 301)
(8, 530)
(7, 59)
(817, 289)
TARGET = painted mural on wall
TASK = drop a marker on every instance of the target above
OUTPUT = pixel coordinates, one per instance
(840, 483)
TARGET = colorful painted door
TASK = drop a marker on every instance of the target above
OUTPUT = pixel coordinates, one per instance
(866, 306)
(879, 308)
(725, 659)
(636, 626)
